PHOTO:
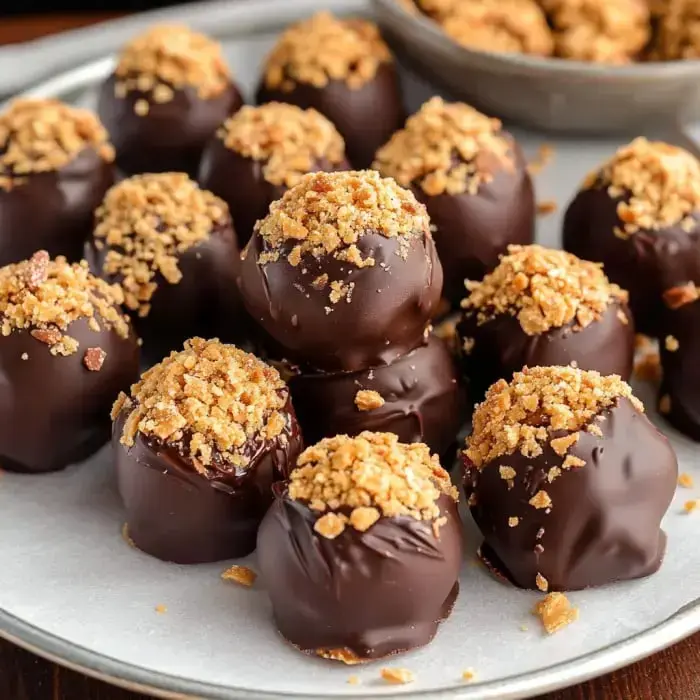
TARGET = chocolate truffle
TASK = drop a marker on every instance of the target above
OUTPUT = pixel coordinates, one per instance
(343, 273)
(417, 397)
(361, 549)
(544, 307)
(66, 350)
(639, 215)
(568, 480)
(55, 166)
(601, 31)
(679, 395)
(171, 247)
(473, 180)
(342, 68)
(199, 442)
(170, 91)
(260, 152)
(506, 26)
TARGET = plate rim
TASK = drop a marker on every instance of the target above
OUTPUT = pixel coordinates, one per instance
(136, 678)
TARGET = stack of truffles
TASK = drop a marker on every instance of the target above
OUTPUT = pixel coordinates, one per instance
(343, 278)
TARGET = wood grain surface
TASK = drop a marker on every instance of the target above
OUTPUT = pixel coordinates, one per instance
(668, 675)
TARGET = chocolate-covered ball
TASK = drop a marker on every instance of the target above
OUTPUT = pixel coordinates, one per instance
(418, 397)
(343, 274)
(640, 216)
(472, 177)
(360, 551)
(679, 394)
(343, 69)
(544, 307)
(568, 480)
(66, 350)
(262, 151)
(55, 167)
(169, 93)
(171, 247)
(199, 442)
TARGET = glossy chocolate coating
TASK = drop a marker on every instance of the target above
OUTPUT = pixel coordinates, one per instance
(205, 302)
(472, 230)
(375, 328)
(53, 211)
(171, 136)
(681, 369)
(645, 264)
(502, 347)
(240, 182)
(53, 410)
(604, 524)
(372, 593)
(423, 399)
(177, 514)
(365, 117)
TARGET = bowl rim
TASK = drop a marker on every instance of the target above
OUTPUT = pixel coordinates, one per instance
(560, 66)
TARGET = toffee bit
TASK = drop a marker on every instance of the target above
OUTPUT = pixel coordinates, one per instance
(241, 575)
(37, 271)
(161, 609)
(49, 336)
(544, 289)
(513, 522)
(324, 48)
(468, 675)
(507, 473)
(94, 359)
(330, 525)
(671, 343)
(398, 676)
(288, 140)
(555, 612)
(679, 296)
(368, 400)
(446, 148)
(562, 444)
(541, 500)
(541, 583)
(685, 480)
(171, 56)
(690, 506)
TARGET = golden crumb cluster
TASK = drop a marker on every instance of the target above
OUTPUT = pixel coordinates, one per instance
(47, 295)
(355, 481)
(324, 48)
(522, 414)
(328, 213)
(602, 31)
(146, 222)
(678, 35)
(211, 399)
(169, 57)
(291, 141)
(544, 289)
(508, 26)
(38, 136)
(660, 185)
(445, 148)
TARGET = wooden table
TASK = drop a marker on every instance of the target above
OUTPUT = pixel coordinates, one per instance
(669, 675)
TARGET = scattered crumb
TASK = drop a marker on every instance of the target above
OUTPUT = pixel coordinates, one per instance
(671, 343)
(368, 400)
(690, 506)
(546, 207)
(685, 480)
(353, 680)
(24, 356)
(555, 612)
(544, 156)
(541, 500)
(679, 296)
(240, 574)
(125, 535)
(622, 317)
(94, 359)
(541, 583)
(513, 522)
(344, 655)
(524, 628)
(468, 675)
(641, 341)
(160, 609)
(398, 676)
(665, 404)
(648, 367)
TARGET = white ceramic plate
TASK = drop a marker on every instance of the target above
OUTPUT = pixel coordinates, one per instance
(72, 590)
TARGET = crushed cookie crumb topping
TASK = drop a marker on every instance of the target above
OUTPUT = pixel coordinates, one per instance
(211, 400)
(168, 57)
(555, 612)
(369, 476)
(146, 222)
(659, 185)
(446, 148)
(324, 48)
(46, 296)
(544, 289)
(39, 136)
(328, 214)
(291, 141)
(523, 414)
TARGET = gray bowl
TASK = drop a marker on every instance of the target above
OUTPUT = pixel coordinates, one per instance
(547, 93)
